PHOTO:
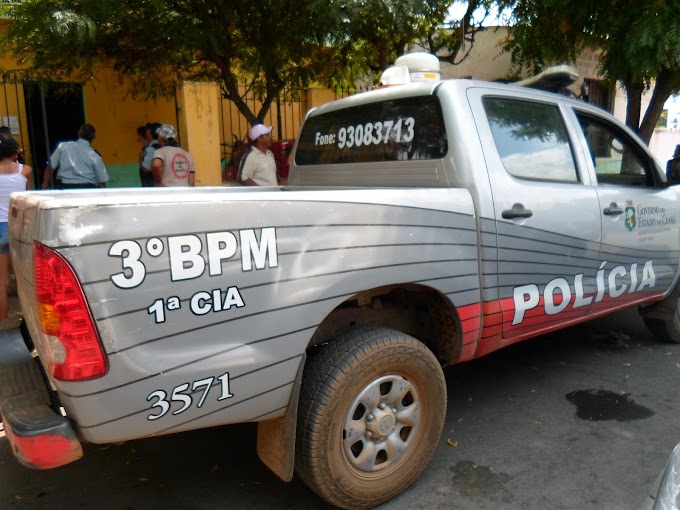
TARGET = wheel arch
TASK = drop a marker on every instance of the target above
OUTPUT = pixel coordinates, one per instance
(418, 310)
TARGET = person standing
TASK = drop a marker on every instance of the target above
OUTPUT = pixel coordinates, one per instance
(6, 131)
(673, 167)
(14, 176)
(146, 158)
(171, 165)
(78, 164)
(258, 166)
(145, 178)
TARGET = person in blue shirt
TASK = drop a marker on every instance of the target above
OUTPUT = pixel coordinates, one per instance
(77, 163)
(673, 167)
(151, 146)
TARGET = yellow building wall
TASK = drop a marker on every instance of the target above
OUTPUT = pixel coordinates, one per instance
(116, 116)
(199, 133)
(12, 104)
(108, 106)
(317, 96)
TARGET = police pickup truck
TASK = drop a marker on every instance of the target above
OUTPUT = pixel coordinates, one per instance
(424, 225)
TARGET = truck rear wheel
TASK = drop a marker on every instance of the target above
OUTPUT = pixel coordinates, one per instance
(372, 407)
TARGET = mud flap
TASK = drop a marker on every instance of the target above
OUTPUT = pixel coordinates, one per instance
(276, 438)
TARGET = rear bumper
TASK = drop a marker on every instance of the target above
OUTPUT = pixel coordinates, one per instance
(40, 437)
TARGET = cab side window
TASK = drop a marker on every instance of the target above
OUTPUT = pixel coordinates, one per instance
(531, 139)
(615, 156)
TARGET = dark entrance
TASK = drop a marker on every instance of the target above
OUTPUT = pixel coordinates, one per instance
(54, 113)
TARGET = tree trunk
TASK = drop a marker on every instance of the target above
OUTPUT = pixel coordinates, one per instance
(633, 104)
(267, 104)
(666, 83)
(232, 94)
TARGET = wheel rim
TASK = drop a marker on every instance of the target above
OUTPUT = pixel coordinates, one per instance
(382, 424)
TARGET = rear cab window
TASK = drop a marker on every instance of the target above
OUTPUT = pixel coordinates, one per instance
(407, 129)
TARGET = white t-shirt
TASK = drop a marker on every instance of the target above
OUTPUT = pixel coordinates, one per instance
(177, 165)
(9, 183)
(258, 166)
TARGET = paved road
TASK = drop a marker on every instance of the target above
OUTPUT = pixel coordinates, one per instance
(581, 419)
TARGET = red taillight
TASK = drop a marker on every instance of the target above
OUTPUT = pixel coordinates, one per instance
(64, 316)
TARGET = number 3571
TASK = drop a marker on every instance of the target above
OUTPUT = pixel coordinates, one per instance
(187, 395)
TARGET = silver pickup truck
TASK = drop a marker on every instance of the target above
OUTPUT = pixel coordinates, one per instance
(424, 225)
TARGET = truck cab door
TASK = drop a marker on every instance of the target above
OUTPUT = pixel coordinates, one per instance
(546, 211)
(639, 214)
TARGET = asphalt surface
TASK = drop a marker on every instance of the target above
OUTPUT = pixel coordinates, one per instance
(581, 419)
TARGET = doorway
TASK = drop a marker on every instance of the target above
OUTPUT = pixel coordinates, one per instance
(54, 112)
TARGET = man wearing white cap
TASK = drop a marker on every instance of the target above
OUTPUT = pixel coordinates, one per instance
(171, 165)
(258, 166)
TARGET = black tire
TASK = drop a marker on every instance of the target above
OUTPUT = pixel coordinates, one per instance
(342, 384)
(667, 330)
(663, 318)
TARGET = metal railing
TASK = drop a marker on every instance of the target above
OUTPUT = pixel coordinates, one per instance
(285, 116)
(350, 90)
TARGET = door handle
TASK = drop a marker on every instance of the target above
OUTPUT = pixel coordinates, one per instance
(612, 210)
(517, 211)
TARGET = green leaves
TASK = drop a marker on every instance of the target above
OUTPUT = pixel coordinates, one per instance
(67, 25)
(266, 44)
(640, 41)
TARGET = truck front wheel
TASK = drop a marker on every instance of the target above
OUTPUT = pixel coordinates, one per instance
(372, 407)
(667, 330)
